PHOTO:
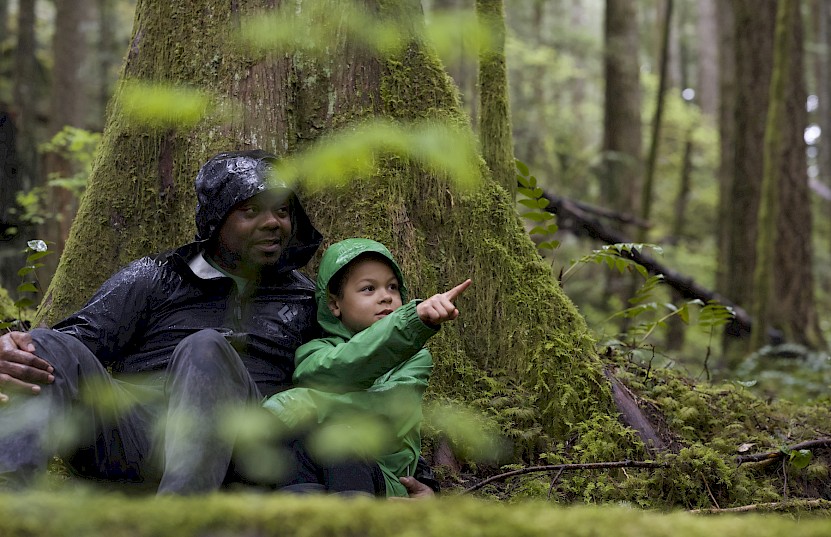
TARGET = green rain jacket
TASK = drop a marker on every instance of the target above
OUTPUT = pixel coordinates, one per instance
(381, 371)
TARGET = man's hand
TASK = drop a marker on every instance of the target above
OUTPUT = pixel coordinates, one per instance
(439, 308)
(20, 369)
(415, 489)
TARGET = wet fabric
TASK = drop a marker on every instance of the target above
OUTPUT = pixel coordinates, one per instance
(136, 319)
(380, 372)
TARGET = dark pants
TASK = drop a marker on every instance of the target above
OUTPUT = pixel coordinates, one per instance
(342, 476)
(158, 430)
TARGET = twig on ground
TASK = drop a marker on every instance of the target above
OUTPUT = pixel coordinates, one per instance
(775, 455)
(576, 466)
(773, 506)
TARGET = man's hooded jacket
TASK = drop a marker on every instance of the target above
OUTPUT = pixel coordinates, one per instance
(375, 376)
(138, 316)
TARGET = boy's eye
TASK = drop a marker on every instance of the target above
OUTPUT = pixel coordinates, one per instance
(367, 288)
(282, 212)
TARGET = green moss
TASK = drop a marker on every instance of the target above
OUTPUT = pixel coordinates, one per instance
(7, 309)
(249, 515)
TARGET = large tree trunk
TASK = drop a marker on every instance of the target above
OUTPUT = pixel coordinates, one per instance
(793, 285)
(516, 321)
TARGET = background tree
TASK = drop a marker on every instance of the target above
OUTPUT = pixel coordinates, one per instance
(793, 289)
(68, 108)
(621, 175)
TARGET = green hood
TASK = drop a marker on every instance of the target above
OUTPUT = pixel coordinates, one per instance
(336, 257)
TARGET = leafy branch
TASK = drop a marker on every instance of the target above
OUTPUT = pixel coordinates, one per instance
(29, 284)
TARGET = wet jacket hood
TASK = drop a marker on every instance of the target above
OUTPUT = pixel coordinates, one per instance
(233, 177)
(336, 257)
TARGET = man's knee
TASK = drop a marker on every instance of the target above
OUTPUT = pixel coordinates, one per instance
(63, 351)
(206, 350)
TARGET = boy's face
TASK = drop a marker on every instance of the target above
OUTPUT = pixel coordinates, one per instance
(369, 294)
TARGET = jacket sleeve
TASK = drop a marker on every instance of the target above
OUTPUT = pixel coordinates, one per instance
(395, 398)
(356, 364)
(116, 313)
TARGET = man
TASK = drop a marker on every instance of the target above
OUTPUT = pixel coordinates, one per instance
(211, 325)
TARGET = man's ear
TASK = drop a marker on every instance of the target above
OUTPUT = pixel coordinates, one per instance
(334, 307)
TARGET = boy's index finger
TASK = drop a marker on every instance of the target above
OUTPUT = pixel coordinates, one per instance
(456, 291)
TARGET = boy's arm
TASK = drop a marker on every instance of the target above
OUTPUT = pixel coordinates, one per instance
(395, 398)
(356, 364)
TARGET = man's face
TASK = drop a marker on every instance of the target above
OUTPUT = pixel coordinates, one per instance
(369, 294)
(254, 234)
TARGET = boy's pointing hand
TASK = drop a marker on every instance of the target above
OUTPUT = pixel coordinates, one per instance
(440, 308)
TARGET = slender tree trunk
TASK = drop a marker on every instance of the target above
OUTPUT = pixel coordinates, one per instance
(652, 159)
(24, 94)
(140, 197)
(494, 116)
(727, 141)
(4, 20)
(707, 41)
(106, 59)
(69, 106)
(622, 145)
(824, 94)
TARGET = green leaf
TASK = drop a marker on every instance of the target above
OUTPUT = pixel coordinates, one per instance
(522, 167)
(25, 270)
(527, 192)
(539, 230)
(538, 216)
(37, 255)
(542, 203)
(27, 287)
(23, 303)
(6, 324)
(800, 459)
(531, 204)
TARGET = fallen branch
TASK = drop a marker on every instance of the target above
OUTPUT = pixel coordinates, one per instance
(564, 467)
(571, 217)
(775, 455)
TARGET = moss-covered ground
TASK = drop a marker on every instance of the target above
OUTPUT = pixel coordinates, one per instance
(240, 515)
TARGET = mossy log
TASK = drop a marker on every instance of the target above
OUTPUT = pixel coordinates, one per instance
(261, 516)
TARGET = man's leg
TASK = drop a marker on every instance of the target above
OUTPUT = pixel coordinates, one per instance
(102, 441)
(206, 379)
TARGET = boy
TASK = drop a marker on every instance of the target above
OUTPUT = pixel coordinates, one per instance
(372, 361)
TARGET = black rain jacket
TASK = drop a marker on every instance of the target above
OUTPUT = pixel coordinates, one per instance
(136, 319)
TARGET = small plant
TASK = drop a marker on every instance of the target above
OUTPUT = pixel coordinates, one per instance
(533, 199)
(29, 285)
(644, 304)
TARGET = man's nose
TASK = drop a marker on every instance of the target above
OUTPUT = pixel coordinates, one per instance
(271, 220)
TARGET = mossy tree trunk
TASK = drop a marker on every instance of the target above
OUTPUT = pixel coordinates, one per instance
(794, 313)
(519, 335)
(494, 115)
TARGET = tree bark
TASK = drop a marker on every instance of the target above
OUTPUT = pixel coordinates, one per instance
(727, 137)
(69, 106)
(494, 115)
(516, 319)
(652, 158)
(707, 42)
(24, 94)
(622, 145)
